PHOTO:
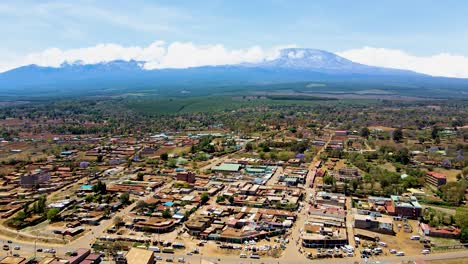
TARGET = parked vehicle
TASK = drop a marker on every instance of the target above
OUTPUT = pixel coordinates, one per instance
(425, 251)
(254, 256)
(415, 237)
(242, 255)
(6, 247)
(400, 253)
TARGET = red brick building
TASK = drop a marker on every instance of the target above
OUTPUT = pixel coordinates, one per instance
(435, 179)
(186, 176)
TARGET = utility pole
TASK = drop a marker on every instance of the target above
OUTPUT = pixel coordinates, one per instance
(35, 245)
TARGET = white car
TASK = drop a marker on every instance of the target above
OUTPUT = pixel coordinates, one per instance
(158, 257)
(393, 251)
(425, 251)
(383, 244)
(400, 253)
(181, 260)
(17, 248)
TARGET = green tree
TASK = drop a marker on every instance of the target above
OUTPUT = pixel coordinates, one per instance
(99, 187)
(397, 135)
(328, 180)
(164, 156)
(52, 214)
(140, 176)
(204, 197)
(249, 146)
(166, 213)
(124, 198)
(365, 132)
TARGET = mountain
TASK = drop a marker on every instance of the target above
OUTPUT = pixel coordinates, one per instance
(323, 61)
(291, 66)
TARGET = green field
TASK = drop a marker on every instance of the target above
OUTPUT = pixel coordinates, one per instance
(226, 103)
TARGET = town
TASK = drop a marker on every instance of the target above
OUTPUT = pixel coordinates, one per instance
(286, 185)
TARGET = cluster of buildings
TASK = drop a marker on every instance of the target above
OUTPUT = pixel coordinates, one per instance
(325, 226)
(239, 224)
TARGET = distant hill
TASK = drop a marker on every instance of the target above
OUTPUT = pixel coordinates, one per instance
(292, 66)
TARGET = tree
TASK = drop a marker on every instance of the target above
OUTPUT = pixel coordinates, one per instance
(402, 156)
(249, 146)
(397, 135)
(117, 220)
(140, 176)
(220, 199)
(365, 132)
(99, 158)
(204, 197)
(328, 180)
(164, 156)
(52, 214)
(124, 198)
(167, 213)
(99, 187)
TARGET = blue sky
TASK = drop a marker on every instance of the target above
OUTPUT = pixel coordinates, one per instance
(417, 28)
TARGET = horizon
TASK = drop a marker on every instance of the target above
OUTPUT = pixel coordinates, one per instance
(176, 35)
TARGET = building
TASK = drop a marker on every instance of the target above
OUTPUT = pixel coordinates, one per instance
(347, 174)
(376, 224)
(435, 179)
(13, 260)
(80, 256)
(319, 236)
(341, 133)
(226, 168)
(140, 256)
(34, 178)
(186, 176)
(444, 232)
(405, 206)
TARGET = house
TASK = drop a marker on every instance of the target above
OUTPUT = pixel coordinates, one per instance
(34, 178)
(435, 179)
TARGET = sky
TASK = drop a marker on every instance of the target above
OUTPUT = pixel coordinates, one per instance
(427, 36)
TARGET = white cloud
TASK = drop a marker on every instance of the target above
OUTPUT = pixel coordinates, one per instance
(157, 55)
(443, 64)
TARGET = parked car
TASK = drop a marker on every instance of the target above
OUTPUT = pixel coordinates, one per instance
(254, 256)
(181, 260)
(400, 253)
(383, 244)
(425, 251)
(17, 247)
(415, 237)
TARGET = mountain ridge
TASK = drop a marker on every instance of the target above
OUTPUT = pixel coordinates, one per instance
(293, 65)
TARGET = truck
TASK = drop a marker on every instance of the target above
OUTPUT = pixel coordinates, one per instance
(168, 250)
(154, 249)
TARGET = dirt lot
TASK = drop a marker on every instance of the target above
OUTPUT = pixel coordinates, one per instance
(449, 261)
